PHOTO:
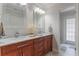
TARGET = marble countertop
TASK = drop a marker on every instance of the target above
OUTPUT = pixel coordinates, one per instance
(7, 41)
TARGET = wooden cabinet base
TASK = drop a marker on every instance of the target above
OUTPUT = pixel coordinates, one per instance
(34, 47)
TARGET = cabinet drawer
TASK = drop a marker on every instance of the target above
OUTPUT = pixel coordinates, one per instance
(38, 40)
(26, 43)
(41, 39)
(48, 37)
(9, 48)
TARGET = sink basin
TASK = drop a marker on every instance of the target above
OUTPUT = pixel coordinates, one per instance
(6, 40)
(2, 42)
(15, 39)
(20, 37)
(31, 35)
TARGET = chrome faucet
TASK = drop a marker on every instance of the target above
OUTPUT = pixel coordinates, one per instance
(16, 34)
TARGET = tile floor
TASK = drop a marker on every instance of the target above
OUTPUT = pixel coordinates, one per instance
(52, 54)
(66, 50)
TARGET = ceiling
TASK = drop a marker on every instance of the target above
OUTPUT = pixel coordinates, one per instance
(50, 7)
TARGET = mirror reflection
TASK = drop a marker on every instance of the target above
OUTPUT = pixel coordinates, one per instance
(39, 20)
(21, 19)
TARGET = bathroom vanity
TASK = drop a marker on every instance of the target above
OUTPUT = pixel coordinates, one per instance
(27, 46)
(15, 23)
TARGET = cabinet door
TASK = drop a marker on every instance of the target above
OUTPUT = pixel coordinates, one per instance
(19, 51)
(46, 46)
(27, 51)
(9, 50)
(12, 53)
(49, 44)
(36, 49)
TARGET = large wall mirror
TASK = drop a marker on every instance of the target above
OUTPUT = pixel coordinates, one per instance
(39, 20)
(13, 18)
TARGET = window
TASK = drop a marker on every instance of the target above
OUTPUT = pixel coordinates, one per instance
(70, 29)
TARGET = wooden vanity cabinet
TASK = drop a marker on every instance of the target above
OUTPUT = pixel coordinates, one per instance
(33, 47)
(27, 51)
(47, 44)
(51, 42)
(9, 50)
(39, 46)
(42, 45)
(18, 49)
(25, 48)
(12, 53)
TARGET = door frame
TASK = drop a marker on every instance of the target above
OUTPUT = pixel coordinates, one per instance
(77, 28)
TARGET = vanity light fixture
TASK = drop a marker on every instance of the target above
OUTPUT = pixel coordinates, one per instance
(39, 10)
(23, 3)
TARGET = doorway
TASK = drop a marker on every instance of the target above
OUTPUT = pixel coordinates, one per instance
(68, 46)
(67, 33)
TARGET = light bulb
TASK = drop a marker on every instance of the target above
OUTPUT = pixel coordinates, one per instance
(39, 10)
(23, 3)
